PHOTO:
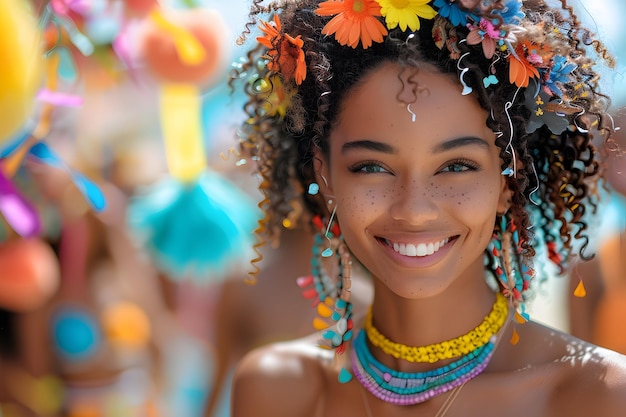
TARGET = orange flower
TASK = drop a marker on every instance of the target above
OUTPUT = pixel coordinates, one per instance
(284, 51)
(354, 21)
(524, 63)
(520, 70)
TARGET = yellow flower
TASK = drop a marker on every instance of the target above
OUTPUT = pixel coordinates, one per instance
(405, 13)
(278, 97)
(353, 21)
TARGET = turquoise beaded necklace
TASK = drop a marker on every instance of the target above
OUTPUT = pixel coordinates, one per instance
(409, 388)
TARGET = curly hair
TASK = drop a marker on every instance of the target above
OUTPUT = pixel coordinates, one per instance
(555, 172)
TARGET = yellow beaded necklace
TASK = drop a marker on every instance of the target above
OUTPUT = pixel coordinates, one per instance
(452, 348)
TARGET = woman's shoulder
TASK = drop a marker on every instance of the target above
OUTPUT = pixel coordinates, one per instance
(596, 378)
(585, 378)
(280, 379)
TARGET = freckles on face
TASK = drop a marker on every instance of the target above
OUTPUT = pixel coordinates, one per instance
(435, 179)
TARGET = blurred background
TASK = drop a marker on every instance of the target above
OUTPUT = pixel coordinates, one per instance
(127, 213)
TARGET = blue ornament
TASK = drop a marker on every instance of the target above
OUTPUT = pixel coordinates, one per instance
(76, 334)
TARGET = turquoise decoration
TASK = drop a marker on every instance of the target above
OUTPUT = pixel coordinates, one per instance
(197, 230)
(75, 333)
(344, 376)
(409, 388)
(41, 152)
(508, 171)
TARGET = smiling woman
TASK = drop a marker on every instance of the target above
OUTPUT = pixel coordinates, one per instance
(424, 186)
(441, 146)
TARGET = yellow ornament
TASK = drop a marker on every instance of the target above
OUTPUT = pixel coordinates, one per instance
(22, 63)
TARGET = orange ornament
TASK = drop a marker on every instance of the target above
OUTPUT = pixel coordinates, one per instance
(184, 46)
(139, 7)
(126, 325)
(30, 274)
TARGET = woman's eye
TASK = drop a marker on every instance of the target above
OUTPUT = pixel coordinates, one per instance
(368, 168)
(459, 166)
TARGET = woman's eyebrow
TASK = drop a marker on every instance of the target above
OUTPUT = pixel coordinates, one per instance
(460, 142)
(370, 145)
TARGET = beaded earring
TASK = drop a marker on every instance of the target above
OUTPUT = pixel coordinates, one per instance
(330, 296)
(506, 262)
(513, 275)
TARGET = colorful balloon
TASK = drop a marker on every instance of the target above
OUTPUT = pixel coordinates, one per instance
(30, 274)
(184, 46)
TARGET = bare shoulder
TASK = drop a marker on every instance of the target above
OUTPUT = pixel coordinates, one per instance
(584, 379)
(281, 379)
(597, 377)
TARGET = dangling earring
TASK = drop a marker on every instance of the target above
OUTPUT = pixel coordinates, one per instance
(513, 275)
(329, 234)
(331, 297)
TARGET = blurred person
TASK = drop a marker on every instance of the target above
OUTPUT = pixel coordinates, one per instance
(273, 309)
(103, 330)
(599, 315)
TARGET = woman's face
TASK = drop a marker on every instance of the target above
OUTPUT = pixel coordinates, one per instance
(416, 200)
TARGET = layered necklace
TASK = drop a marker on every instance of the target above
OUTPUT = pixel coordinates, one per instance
(471, 353)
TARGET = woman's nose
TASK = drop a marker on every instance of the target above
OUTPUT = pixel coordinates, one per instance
(414, 204)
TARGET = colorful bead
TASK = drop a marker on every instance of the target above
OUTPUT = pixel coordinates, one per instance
(409, 388)
(459, 346)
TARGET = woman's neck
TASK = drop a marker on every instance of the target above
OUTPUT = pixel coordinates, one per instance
(426, 321)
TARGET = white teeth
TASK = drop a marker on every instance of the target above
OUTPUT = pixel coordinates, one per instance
(421, 249)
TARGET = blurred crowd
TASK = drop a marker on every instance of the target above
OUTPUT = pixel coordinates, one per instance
(127, 216)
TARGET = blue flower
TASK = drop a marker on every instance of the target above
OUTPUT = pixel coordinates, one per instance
(452, 12)
(511, 13)
(559, 74)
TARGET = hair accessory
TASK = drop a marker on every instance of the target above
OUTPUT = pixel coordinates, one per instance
(466, 89)
(354, 22)
(453, 348)
(490, 80)
(500, 30)
(508, 171)
(284, 53)
(506, 249)
(413, 115)
(313, 188)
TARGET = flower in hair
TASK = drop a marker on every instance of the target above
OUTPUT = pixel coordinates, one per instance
(444, 34)
(278, 99)
(525, 61)
(285, 53)
(558, 74)
(486, 34)
(354, 21)
(511, 13)
(451, 11)
(405, 13)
